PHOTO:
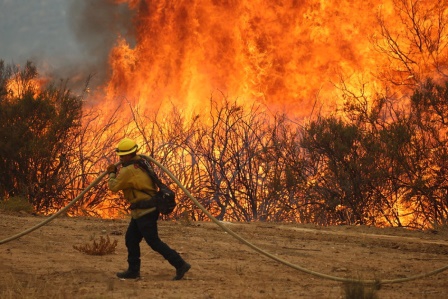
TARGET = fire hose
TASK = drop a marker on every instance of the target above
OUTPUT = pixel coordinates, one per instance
(375, 283)
(68, 206)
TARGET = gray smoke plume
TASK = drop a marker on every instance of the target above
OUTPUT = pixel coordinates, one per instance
(96, 25)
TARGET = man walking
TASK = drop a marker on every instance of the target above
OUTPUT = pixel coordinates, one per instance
(137, 186)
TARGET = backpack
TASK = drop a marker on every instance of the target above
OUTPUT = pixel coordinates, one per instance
(165, 198)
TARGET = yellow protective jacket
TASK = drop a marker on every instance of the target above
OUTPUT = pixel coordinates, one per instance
(135, 184)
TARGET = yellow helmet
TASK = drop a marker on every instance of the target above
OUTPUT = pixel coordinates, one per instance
(126, 146)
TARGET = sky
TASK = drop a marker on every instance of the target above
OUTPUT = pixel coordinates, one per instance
(65, 39)
(37, 30)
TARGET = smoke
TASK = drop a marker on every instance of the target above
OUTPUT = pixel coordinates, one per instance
(96, 25)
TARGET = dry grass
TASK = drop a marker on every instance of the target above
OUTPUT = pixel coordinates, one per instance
(102, 247)
(355, 290)
(29, 287)
(16, 204)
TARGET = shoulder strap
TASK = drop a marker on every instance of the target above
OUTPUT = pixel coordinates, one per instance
(147, 167)
(144, 164)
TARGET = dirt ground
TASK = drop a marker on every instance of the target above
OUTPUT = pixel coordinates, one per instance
(44, 263)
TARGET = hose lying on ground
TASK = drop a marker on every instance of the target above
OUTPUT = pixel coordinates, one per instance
(376, 283)
(68, 206)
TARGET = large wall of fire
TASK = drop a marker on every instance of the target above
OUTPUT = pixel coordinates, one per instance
(289, 55)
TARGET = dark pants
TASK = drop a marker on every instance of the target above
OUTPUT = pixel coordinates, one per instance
(146, 227)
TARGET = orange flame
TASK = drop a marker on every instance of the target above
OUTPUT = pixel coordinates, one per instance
(283, 54)
(16, 87)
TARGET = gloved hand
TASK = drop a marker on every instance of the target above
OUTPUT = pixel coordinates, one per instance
(111, 169)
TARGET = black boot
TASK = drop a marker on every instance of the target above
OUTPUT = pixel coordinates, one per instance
(180, 272)
(129, 274)
(133, 270)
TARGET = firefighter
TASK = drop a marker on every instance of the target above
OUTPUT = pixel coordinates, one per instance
(137, 186)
